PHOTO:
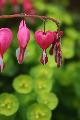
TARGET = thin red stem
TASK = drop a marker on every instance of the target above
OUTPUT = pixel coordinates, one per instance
(23, 15)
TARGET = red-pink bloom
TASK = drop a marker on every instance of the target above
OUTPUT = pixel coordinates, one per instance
(2, 3)
(59, 58)
(14, 2)
(44, 40)
(28, 7)
(56, 48)
(15, 6)
(56, 41)
(5, 41)
(23, 39)
(2, 6)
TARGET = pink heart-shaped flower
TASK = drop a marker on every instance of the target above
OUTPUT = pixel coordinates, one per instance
(6, 36)
(5, 41)
(44, 40)
(23, 39)
(23, 34)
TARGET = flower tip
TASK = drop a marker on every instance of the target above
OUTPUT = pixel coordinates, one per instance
(43, 61)
(22, 23)
(1, 64)
(19, 59)
(20, 54)
(23, 34)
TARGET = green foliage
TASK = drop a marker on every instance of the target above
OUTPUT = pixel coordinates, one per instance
(42, 85)
(49, 99)
(26, 99)
(41, 72)
(67, 48)
(29, 91)
(38, 112)
(8, 104)
(23, 84)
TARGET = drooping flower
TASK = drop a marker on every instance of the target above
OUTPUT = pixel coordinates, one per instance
(42, 58)
(2, 6)
(56, 48)
(15, 6)
(5, 41)
(28, 7)
(2, 3)
(23, 39)
(44, 40)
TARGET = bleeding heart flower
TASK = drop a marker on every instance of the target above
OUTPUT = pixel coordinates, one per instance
(5, 41)
(28, 7)
(42, 59)
(55, 40)
(56, 48)
(59, 58)
(2, 3)
(15, 6)
(23, 39)
(44, 40)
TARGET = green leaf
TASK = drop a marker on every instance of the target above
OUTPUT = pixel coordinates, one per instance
(23, 84)
(40, 5)
(43, 85)
(26, 99)
(72, 33)
(67, 48)
(67, 18)
(49, 99)
(38, 112)
(9, 104)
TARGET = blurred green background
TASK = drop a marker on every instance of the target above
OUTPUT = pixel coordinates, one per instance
(32, 91)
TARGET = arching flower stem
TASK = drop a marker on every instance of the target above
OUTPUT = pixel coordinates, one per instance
(23, 15)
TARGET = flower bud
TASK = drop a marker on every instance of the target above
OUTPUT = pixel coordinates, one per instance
(5, 41)
(23, 39)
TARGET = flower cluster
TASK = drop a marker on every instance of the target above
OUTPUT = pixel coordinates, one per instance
(2, 5)
(36, 94)
(56, 48)
(17, 5)
(46, 39)
(43, 39)
(28, 7)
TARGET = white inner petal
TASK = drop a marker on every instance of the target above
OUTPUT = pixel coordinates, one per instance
(1, 64)
(17, 53)
(44, 56)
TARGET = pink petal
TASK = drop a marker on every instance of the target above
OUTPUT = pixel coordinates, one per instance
(23, 35)
(20, 54)
(5, 38)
